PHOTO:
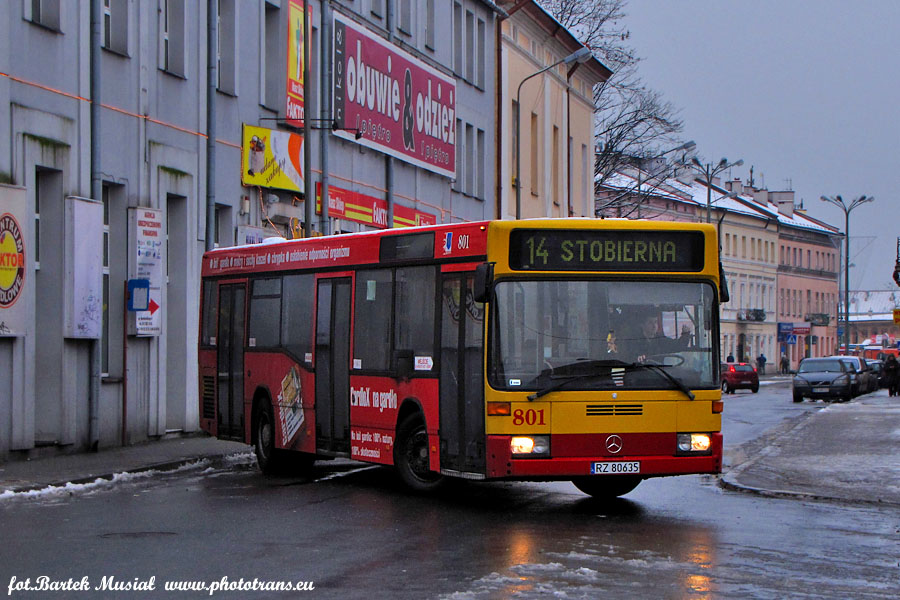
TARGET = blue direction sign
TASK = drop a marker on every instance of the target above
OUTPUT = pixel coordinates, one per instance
(790, 339)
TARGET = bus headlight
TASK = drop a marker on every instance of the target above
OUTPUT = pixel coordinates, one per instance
(693, 442)
(532, 445)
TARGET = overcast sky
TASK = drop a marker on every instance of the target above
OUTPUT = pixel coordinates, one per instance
(805, 91)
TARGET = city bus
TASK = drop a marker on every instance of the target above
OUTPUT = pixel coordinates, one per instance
(548, 349)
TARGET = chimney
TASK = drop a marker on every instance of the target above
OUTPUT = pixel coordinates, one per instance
(784, 201)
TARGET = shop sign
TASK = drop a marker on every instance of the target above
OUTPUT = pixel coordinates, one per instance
(368, 210)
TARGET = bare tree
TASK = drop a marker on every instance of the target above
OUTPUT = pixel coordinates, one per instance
(631, 120)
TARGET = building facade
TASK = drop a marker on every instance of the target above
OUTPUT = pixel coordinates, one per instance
(410, 136)
(545, 117)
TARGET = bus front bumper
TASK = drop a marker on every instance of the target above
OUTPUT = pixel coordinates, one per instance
(502, 464)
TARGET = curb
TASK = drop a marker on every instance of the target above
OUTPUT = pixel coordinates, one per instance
(730, 481)
(162, 467)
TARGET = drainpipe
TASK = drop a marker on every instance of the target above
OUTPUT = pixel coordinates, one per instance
(97, 194)
(388, 164)
(325, 89)
(211, 81)
(308, 199)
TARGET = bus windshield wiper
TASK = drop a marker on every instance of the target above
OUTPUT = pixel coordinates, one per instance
(567, 379)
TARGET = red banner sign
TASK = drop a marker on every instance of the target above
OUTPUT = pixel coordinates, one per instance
(353, 206)
(394, 102)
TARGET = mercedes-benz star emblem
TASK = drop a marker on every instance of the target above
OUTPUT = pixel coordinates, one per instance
(614, 444)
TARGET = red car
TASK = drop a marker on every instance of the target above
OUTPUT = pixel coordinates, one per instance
(739, 375)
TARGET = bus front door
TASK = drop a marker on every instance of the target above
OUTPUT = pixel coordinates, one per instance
(461, 384)
(230, 362)
(332, 363)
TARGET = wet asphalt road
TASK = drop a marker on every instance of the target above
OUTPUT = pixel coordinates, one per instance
(356, 533)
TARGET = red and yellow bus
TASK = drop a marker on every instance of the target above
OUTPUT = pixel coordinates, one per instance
(554, 349)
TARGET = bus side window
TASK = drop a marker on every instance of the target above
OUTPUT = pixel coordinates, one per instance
(210, 313)
(296, 316)
(264, 325)
(414, 316)
(372, 333)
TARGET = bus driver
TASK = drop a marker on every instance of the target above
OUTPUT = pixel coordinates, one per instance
(650, 341)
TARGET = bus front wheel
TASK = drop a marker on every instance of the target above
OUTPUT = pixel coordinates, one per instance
(270, 459)
(411, 456)
(607, 487)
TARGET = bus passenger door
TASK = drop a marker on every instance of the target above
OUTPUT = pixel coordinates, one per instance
(332, 364)
(230, 361)
(462, 381)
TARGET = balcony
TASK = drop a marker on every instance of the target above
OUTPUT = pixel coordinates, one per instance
(751, 314)
(820, 319)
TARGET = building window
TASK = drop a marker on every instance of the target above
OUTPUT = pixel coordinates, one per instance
(43, 12)
(377, 9)
(226, 47)
(404, 16)
(514, 141)
(479, 164)
(172, 29)
(470, 160)
(470, 47)
(457, 39)
(535, 149)
(429, 24)
(273, 65)
(115, 26)
(458, 183)
(480, 52)
(554, 167)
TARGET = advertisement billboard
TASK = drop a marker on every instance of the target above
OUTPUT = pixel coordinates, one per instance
(295, 88)
(272, 159)
(386, 99)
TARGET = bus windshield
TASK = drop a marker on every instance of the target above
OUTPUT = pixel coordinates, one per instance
(602, 334)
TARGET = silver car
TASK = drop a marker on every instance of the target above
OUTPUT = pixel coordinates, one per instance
(863, 380)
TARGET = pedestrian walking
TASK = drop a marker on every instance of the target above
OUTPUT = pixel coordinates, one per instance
(761, 363)
(891, 374)
(785, 365)
(730, 358)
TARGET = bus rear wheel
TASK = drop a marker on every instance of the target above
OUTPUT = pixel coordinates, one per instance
(607, 487)
(411, 457)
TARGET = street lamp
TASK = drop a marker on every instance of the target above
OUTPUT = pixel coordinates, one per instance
(839, 202)
(581, 55)
(709, 171)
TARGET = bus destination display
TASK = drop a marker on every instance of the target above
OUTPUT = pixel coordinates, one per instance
(600, 250)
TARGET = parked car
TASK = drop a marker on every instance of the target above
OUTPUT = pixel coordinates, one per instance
(823, 378)
(862, 379)
(736, 376)
(877, 367)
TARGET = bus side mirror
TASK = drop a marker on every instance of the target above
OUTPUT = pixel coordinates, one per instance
(484, 280)
(723, 286)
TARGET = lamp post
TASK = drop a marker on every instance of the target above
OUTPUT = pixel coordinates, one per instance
(839, 202)
(709, 172)
(581, 55)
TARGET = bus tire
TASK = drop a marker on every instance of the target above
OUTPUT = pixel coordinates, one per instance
(411, 457)
(607, 487)
(271, 460)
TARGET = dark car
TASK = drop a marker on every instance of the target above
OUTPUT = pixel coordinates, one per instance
(823, 378)
(737, 376)
(877, 367)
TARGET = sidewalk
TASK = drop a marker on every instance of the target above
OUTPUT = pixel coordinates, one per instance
(845, 452)
(22, 475)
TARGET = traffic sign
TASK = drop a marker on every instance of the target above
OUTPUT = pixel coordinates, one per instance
(791, 339)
